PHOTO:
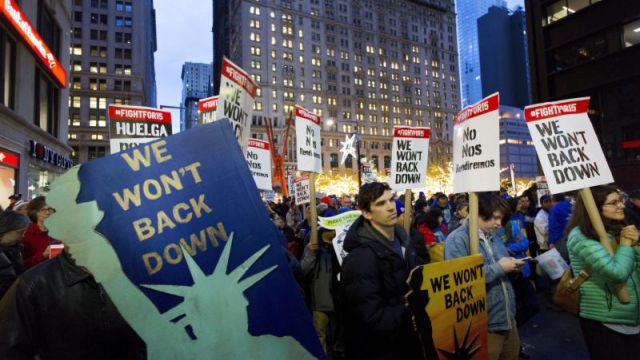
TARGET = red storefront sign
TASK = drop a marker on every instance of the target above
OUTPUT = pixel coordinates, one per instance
(12, 15)
(10, 159)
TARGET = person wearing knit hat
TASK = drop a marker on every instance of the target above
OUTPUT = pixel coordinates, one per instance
(12, 226)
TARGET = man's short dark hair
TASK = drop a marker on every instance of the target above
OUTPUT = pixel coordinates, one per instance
(369, 193)
(558, 197)
(635, 194)
(441, 196)
(488, 203)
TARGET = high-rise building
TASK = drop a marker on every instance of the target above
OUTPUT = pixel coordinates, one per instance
(504, 65)
(33, 96)
(592, 48)
(363, 66)
(196, 85)
(516, 146)
(470, 78)
(112, 62)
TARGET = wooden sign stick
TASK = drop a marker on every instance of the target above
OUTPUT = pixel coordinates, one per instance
(314, 212)
(594, 215)
(474, 241)
(407, 211)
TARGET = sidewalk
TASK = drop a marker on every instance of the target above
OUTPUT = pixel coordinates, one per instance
(553, 335)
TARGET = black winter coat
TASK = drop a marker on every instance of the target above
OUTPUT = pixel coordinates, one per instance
(376, 321)
(57, 311)
(10, 266)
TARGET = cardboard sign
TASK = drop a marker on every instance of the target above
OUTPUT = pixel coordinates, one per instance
(207, 109)
(567, 146)
(308, 141)
(449, 307)
(291, 186)
(163, 227)
(237, 94)
(476, 147)
(340, 224)
(269, 195)
(259, 161)
(303, 191)
(409, 157)
(130, 126)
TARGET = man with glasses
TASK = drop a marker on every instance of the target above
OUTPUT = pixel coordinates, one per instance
(504, 342)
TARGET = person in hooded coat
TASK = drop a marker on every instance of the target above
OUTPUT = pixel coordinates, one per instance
(377, 323)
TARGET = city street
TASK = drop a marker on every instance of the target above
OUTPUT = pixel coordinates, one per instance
(552, 334)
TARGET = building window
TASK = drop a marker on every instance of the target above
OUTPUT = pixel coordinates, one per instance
(563, 8)
(333, 160)
(94, 152)
(632, 33)
(7, 69)
(46, 104)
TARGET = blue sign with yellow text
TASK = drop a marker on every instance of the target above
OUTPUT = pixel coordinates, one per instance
(176, 233)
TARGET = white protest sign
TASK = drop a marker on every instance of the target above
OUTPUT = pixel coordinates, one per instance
(290, 184)
(130, 126)
(409, 157)
(542, 188)
(303, 192)
(308, 141)
(259, 160)
(237, 94)
(567, 146)
(476, 148)
(207, 109)
(368, 175)
(341, 224)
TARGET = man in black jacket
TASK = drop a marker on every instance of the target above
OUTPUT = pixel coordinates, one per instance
(377, 322)
(632, 208)
(57, 311)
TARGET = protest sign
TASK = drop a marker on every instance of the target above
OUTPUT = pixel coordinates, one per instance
(303, 190)
(476, 149)
(291, 187)
(259, 161)
(207, 109)
(368, 176)
(449, 307)
(308, 141)
(567, 146)
(340, 224)
(130, 126)
(542, 188)
(269, 195)
(163, 228)
(237, 94)
(409, 157)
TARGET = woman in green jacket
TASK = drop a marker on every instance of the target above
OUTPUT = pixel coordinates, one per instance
(611, 329)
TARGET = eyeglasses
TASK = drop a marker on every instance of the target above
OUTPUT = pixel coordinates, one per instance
(615, 203)
(49, 210)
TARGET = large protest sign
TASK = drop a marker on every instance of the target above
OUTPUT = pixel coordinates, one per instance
(237, 94)
(567, 146)
(207, 109)
(409, 157)
(303, 190)
(163, 228)
(308, 141)
(259, 161)
(340, 224)
(476, 148)
(449, 307)
(130, 126)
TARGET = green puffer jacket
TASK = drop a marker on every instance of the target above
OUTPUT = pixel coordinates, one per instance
(597, 302)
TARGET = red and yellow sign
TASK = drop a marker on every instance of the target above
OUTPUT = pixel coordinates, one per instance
(17, 20)
(453, 293)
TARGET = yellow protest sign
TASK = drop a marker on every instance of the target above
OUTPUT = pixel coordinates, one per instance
(449, 306)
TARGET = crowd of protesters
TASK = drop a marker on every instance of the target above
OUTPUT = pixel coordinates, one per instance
(358, 308)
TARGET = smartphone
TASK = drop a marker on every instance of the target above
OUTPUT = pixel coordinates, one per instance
(527, 259)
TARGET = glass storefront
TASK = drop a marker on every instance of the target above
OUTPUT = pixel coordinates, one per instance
(39, 181)
(7, 184)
